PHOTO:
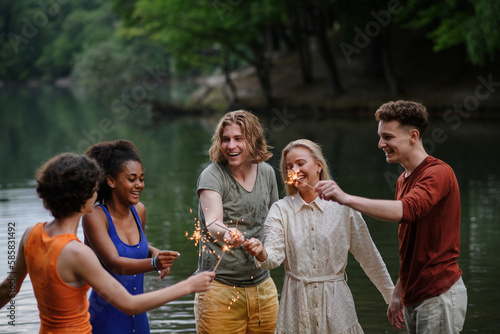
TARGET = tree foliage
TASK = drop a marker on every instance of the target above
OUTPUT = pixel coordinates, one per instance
(108, 42)
(472, 24)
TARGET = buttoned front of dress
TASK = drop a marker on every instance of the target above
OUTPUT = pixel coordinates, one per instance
(105, 318)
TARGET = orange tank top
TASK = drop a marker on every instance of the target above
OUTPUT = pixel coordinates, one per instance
(63, 308)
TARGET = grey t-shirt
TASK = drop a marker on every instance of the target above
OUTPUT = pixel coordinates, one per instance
(249, 210)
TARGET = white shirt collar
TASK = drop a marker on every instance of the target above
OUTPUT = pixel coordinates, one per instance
(299, 203)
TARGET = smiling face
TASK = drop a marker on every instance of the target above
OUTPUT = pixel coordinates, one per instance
(395, 140)
(129, 183)
(234, 146)
(300, 161)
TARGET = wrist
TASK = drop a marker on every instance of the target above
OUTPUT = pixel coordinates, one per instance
(153, 263)
(262, 256)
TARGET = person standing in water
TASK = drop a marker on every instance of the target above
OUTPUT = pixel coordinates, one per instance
(235, 193)
(430, 295)
(115, 231)
(61, 268)
(313, 238)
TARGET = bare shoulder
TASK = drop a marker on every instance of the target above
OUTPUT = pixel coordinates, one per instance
(27, 232)
(97, 216)
(77, 251)
(25, 236)
(141, 212)
(140, 208)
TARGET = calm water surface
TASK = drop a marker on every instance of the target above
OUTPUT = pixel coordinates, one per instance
(36, 124)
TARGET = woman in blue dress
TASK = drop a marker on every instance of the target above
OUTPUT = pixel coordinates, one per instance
(115, 231)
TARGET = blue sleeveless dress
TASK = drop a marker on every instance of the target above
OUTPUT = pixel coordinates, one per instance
(105, 318)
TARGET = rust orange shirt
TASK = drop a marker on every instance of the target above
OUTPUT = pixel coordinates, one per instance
(63, 308)
(429, 233)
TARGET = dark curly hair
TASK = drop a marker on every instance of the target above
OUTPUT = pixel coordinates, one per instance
(66, 182)
(112, 156)
(407, 113)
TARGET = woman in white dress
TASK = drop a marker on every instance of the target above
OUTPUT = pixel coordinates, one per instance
(312, 237)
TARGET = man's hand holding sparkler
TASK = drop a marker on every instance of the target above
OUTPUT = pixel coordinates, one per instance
(330, 190)
(381, 209)
(233, 237)
(255, 248)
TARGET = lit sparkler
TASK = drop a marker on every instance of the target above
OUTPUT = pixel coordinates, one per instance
(196, 236)
(225, 249)
(293, 178)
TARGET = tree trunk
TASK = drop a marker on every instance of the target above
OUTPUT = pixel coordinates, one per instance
(324, 47)
(263, 71)
(388, 66)
(302, 43)
(232, 95)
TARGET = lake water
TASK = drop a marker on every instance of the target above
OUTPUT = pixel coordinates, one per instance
(37, 123)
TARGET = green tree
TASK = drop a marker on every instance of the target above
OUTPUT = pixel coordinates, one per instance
(472, 24)
(205, 30)
(40, 38)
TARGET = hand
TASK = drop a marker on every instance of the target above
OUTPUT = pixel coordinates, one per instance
(233, 237)
(330, 190)
(395, 311)
(201, 281)
(253, 246)
(165, 259)
(163, 273)
(396, 316)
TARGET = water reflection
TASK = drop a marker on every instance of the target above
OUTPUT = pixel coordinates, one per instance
(50, 121)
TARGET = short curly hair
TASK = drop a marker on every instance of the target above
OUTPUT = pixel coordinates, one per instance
(112, 156)
(66, 182)
(407, 113)
(252, 132)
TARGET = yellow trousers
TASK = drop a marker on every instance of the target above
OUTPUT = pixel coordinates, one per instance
(229, 309)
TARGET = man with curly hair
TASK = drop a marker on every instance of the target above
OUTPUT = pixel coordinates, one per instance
(430, 296)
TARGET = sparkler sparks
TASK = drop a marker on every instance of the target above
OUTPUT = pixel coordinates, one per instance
(196, 236)
(293, 178)
(225, 249)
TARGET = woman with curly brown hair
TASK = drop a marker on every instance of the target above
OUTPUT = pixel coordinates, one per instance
(236, 192)
(61, 268)
(115, 231)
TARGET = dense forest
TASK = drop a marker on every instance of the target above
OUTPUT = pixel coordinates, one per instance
(101, 44)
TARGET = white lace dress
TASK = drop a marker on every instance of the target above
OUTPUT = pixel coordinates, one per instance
(313, 241)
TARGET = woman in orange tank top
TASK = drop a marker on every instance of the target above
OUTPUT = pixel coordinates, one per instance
(62, 268)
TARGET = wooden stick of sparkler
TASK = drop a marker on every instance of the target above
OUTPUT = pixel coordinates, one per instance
(225, 249)
(218, 262)
(221, 225)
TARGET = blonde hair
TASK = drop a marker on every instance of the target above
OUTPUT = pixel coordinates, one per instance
(317, 154)
(253, 135)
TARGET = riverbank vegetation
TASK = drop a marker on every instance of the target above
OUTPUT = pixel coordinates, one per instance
(308, 54)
